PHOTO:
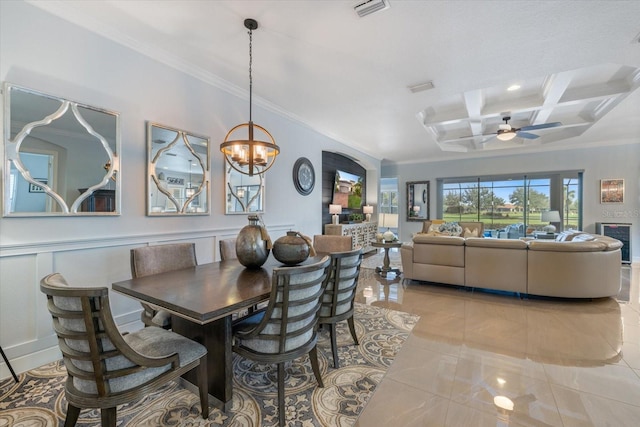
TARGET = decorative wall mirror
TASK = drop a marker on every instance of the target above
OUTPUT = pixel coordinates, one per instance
(417, 201)
(244, 193)
(178, 172)
(60, 157)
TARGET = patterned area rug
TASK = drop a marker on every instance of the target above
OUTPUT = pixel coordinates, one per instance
(373, 261)
(38, 399)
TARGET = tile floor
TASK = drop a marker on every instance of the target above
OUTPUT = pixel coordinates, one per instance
(554, 362)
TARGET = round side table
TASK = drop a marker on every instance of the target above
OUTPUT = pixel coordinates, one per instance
(385, 268)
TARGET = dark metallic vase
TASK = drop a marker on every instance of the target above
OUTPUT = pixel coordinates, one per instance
(253, 244)
(291, 249)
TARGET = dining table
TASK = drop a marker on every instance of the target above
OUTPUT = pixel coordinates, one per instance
(202, 301)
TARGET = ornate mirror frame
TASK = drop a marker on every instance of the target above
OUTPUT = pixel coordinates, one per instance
(178, 172)
(61, 158)
(243, 193)
(417, 200)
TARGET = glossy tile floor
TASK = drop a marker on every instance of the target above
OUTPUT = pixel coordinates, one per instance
(487, 359)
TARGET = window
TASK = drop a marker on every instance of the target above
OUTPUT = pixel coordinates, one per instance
(499, 201)
(389, 195)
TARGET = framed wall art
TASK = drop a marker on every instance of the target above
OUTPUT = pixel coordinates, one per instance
(612, 191)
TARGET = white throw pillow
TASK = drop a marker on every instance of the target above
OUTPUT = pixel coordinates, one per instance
(469, 233)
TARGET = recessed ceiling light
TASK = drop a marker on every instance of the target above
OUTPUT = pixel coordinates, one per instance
(513, 87)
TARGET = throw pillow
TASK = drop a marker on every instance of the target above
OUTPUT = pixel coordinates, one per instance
(450, 229)
(583, 237)
(470, 233)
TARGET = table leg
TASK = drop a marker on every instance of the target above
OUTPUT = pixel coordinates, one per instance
(386, 265)
(387, 261)
(216, 337)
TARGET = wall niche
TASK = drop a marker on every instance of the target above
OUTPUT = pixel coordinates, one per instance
(332, 162)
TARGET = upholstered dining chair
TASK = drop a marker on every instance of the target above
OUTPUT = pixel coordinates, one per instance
(324, 243)
(147, 260)
(287, 328)
(105, 368)
(339, 295)
(227, 249)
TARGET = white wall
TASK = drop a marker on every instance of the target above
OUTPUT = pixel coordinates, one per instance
(617, 161)
(42, 52)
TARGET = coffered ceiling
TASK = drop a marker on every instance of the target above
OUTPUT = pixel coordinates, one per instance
(319, 63)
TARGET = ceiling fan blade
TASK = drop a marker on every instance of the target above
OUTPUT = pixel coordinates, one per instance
(527, 135)
(462, 138)
(542, 126)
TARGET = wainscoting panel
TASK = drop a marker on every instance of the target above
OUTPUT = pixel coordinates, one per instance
(26, 334)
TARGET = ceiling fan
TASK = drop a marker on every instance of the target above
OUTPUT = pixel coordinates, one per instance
(507, 133)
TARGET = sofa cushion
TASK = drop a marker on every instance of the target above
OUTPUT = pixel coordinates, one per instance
(496, 243)
(438, 240)
(574, 246)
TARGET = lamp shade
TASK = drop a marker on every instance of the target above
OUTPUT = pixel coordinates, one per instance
(390, 220)
(550, 216)
(416, 208)
(335, 209)
(367, 209)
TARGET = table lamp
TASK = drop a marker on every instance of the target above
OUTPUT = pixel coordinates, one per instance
(367, 210)
(416, 210)
(390, 221)
(550, 216)
(335, 210)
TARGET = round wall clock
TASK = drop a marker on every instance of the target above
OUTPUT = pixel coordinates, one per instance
(304, 177)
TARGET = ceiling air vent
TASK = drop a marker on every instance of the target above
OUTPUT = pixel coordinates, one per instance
(370, 6)
(421, 87)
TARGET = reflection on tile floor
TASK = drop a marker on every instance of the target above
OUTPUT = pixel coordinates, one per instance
(559, 363)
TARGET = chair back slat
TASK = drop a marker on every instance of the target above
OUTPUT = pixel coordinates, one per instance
(339, 294)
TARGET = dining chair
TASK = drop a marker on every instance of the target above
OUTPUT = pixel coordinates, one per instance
(339, 295)
(106, 369)
(147, 260)
(227, 249)
(326, 243)
(287, 328)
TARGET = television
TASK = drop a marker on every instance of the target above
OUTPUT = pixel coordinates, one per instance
(347, 190)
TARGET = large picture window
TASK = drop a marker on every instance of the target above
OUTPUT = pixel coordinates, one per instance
(503, 200)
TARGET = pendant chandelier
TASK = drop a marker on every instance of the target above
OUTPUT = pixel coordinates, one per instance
(249, 156)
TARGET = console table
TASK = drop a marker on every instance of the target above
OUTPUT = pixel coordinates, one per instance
(361, 233)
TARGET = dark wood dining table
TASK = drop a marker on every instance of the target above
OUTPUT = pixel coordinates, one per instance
(201, 301)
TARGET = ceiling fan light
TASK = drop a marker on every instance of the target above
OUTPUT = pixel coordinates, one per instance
(506, 136)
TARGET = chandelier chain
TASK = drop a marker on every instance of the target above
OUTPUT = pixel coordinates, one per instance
(250, 76)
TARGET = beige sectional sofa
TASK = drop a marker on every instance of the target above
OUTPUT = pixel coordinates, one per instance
(577, 265)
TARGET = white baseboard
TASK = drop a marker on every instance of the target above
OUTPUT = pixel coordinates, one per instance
(30, 361)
